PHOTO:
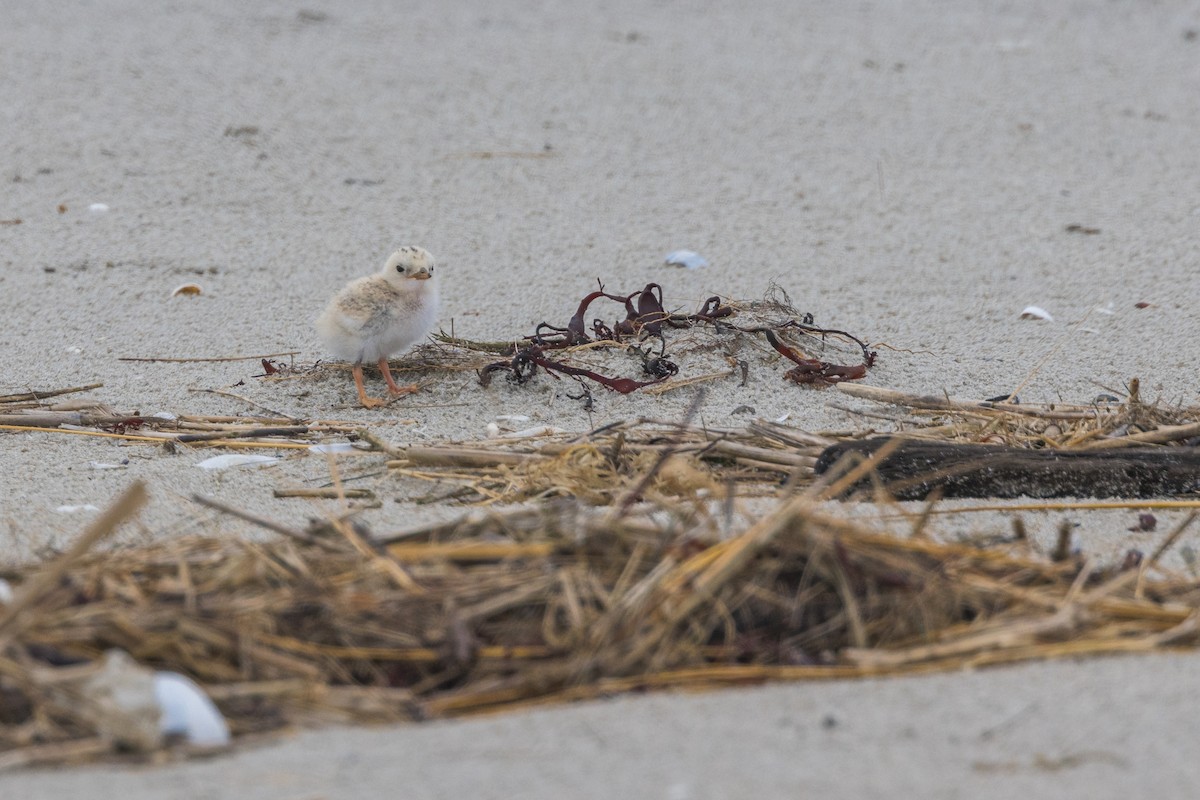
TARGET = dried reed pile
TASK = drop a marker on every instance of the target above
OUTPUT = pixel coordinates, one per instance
(549, 603)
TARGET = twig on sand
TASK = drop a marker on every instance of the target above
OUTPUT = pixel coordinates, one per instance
(209, 360)
(247, 401)
(34, 396)
(277, 527)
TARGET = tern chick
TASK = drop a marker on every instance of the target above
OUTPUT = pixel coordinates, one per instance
(381, 314)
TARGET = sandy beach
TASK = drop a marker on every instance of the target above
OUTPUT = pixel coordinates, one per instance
(915, 173)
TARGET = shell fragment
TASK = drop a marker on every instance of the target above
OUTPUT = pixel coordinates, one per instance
(233, 460)
(1036, 312)
(685, 258)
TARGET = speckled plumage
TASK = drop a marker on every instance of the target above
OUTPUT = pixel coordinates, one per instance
(374, 317)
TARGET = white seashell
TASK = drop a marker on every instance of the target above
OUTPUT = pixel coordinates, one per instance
(512, 418)
(1036, 312)
(103, 465)
(529, 433)
(6, 592)
(685, 258)
(333, 447)
(188, 712)
(227, 461)
(493, 430)
(783, 419)
(75, 509)
(189, 289)
(165, 415)
(98, 208)
(1110, 308)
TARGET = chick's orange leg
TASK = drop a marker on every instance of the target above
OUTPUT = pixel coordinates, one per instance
(367, 402)
(392, 387)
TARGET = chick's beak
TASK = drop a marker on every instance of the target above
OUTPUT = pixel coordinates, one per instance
(421, 275)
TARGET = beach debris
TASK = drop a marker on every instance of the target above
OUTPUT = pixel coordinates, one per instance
(1146, 522)
(6, 592)
(1036, 312)
(1084, 229)
(76, 509)
(333, 447)
(119, 701)
(136, 708)
(550, 602)
(187, 289)
(234, 460)
(687, 259)
(98, 208)
(167, 415)
(515, 418)
(534, 432)
(492, 430)
(1142, 304)
(107, 465)
(646, 317)
(914, 468)
(187, 712)
(813, 370)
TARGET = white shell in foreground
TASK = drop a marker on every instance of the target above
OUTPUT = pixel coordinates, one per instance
(686, 258)
(188, 712)
(1036, 312)
(187, 289)
(227, 461)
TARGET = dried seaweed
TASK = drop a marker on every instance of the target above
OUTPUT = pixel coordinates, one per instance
(645, 316)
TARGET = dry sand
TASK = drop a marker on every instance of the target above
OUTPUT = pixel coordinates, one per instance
(905, 170)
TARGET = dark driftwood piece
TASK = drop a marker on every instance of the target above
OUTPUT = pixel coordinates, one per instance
(976, 470)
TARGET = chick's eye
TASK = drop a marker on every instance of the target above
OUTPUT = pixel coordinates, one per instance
(400, 269)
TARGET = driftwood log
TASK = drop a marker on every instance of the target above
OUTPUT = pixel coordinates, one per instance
(917, 467)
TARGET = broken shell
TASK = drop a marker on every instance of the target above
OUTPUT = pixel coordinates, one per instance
(1036, 312)
(685, 258)
(333, 447)
(188, 712)
(98, 208)
(227, 461)
(188, 289)
(75, 509)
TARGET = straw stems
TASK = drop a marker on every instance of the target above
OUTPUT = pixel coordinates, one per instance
(40, 583)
